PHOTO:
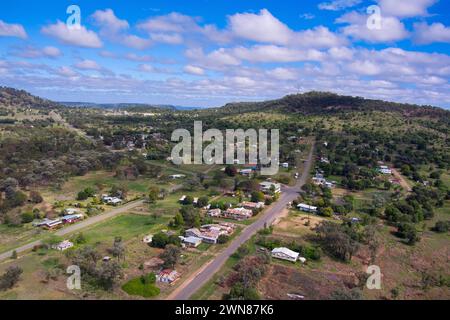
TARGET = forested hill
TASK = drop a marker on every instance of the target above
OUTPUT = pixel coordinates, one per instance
(313, 103)
(10, 97)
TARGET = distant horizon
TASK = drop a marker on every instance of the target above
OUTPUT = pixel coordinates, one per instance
(230, 102)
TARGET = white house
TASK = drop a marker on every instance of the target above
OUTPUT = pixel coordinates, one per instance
(70, 211)
(63, 245)
(111, 200)
(285, 165)
(267, 187)
(385, 170)
(193, 242)
(215, 213)
(182, 199)
(177, 176)
(307, 208)
(285, 254)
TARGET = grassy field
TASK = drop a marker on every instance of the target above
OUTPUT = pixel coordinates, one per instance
(126, 226)
(11, 237)
(99, 179)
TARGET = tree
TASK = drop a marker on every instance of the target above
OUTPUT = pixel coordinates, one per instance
(257, 196)
(441, 226)
(79, 238)
(108, 273)
(170, 256)
(14, 255)
(231, 171)
(178, 220)
(188, 200)
(35, 197)
(153, 194)
(223, 238)
(203, 202)
(335, 239)
(327, 212)
(10, 277)
(82, 195)
(27, 217)
(160, 240)
(408, 231)
(118, 249)
(191, 216)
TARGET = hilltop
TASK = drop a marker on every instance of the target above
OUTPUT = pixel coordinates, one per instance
(10, 97)
(316, 103)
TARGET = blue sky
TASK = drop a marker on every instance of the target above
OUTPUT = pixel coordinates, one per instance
(207, 53)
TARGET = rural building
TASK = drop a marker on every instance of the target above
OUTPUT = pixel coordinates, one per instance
(72, 218)
(192, 242)
(210, 233)
(238, 213)
(385, 170)
(168, 276)
(285, 254)
(307, 208)
(268, 187)
(177, 176)
(285, 165)
(194, 232)
(70, 211)
(252, 205)
(111, 200)
(49, 224)
(215, 213)
(63, 245)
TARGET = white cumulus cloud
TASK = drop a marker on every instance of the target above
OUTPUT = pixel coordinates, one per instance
(81, 37)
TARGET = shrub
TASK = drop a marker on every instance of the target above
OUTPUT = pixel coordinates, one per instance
(442, 226)
(408, 231)
(223, 239)
(27, 217)
(10, 277)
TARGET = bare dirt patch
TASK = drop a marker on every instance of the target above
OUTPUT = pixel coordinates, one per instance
(281, 280)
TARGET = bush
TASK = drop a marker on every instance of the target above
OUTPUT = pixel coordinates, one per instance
(10, 278)
(223, 239)
(27, 217)
(408, 231)
(160, 240)
(442, 226)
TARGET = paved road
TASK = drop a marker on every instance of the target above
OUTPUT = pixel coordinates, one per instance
(77, 227)
(289, 194)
